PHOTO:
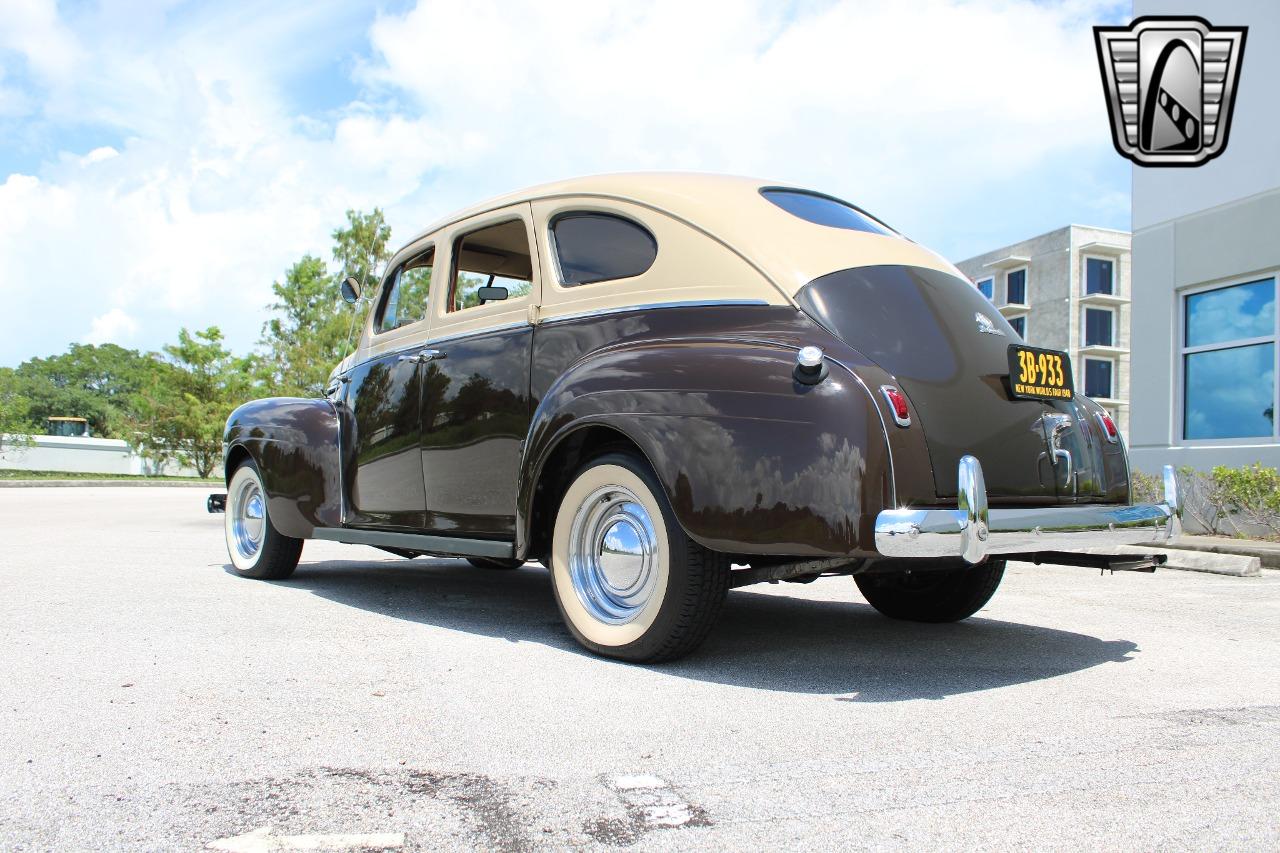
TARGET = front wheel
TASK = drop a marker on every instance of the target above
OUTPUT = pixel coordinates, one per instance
(256, 548)
(629, 583)
(938, 596)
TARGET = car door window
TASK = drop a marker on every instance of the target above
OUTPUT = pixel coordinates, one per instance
(495, 256)
(406, 296)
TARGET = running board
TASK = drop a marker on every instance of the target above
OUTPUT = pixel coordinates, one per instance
(445, 546)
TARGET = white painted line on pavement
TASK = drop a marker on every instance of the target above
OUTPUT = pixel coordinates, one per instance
(262, 841)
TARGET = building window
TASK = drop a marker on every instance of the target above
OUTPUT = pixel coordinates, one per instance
(1229, 362)
(1019, 325)
(986, 287)
(1099, 276)
(1099, 327)
(1098, 376)
(1016, 287)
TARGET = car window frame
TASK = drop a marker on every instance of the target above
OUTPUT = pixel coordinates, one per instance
(384, 291)
(771, 188)
(482, 318)
(553, 245)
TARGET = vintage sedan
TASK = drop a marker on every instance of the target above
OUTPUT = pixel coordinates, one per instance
(664, 386)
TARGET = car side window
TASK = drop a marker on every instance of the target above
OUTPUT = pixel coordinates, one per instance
(593, 247)
(496, 258)
(405, 301)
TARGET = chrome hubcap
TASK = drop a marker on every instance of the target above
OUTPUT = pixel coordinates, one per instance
(247, 509)
(613, 555)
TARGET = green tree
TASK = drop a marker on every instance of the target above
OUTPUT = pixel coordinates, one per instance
(361, 248)
(15, 425)
(185, 407)
(311, 327)
(98, 383)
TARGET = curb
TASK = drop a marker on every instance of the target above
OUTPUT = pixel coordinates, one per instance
(1268, 553)
(1235, 565)
(215, 485)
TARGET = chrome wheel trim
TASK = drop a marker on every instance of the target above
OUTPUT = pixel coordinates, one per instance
(247, 514)
(613, 555)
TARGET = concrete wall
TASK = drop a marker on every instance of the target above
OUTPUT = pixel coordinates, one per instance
(1234, 241)
(83, 455)
(1250, 164)
(1217, 223)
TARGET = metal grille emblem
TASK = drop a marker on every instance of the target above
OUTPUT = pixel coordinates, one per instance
(1170, 84)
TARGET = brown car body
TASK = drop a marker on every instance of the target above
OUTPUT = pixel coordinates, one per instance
(456, 433)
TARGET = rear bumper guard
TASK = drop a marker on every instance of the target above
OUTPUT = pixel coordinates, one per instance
(974, 532)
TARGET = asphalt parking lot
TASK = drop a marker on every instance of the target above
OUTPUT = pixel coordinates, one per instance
(151, 700)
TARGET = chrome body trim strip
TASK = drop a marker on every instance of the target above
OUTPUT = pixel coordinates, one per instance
(457, 336)
(693, 303)
(973, 532)
(443, 545)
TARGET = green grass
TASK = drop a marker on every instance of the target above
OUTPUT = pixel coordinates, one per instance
(8, 474)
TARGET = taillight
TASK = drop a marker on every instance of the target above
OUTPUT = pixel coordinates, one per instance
(897, 405)
(1108, 427)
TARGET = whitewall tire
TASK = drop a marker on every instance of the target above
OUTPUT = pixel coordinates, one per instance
(628, 581)
(256, 548)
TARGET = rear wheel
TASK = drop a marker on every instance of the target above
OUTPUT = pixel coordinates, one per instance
(629, 583)
(256, 548)
(923, 596)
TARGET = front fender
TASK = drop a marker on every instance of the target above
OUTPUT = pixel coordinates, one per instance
(295, 444)
(752, 461)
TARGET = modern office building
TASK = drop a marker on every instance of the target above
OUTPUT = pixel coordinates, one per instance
(1068, 290)
(1206, 261)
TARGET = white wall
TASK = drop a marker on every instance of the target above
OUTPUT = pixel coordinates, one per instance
(1251, 163)
(82, 455)
(1215, 223)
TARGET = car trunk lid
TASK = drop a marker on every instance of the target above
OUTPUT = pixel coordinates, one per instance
(947, 347)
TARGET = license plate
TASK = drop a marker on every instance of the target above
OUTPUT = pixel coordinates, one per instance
(1039, 374)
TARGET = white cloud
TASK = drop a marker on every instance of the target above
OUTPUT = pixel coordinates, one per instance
(115, 327)
(215, 179)
(893, 104)
(32, 29)
(97, 155)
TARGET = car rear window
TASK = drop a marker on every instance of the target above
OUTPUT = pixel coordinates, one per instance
(593, 247)
(824, 210)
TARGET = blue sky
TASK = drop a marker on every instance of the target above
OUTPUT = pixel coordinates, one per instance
(162, 163)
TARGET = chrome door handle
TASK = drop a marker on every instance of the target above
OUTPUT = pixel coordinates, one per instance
(423, 356)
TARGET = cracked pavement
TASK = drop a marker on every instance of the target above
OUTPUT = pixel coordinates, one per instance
(152, 701)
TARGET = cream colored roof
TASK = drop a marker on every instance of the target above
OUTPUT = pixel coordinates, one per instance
(788, 250)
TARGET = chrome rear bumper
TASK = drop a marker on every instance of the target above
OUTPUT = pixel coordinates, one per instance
(973, 531)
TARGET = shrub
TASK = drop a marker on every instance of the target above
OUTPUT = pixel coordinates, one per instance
(1146, 489)
(1202, 499)
(1250, 495)
(1237, 501)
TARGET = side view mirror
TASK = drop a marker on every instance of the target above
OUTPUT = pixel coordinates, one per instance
(350, 290)
(491, 293)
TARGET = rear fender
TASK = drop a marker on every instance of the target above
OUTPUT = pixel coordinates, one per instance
(752, 461)
(295, 444)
